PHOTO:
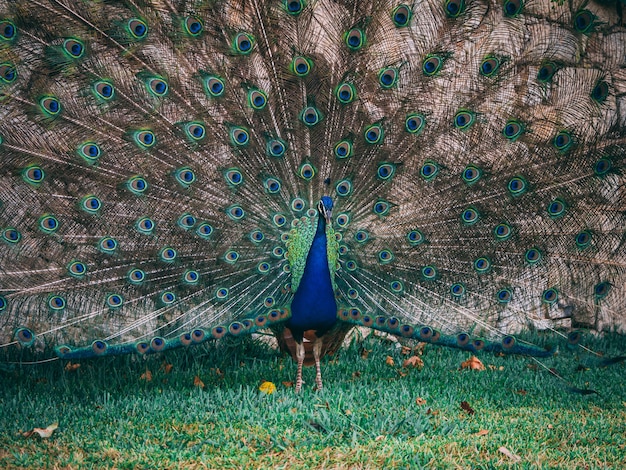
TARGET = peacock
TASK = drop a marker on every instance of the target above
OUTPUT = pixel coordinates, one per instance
(177, 171)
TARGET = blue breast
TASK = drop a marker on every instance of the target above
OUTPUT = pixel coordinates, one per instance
(314, 306)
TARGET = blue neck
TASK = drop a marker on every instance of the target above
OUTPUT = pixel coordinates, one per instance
(314, 306)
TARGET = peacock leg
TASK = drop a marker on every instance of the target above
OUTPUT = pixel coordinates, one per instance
(300, 357)
(317, 354)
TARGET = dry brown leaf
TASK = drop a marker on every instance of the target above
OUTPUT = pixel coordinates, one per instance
(482, 432)
(550, 426)
(287, 384)
(405, 351)
(71, 367)
(413, 361)
(380, 438)
(167, 368)
(44, 433)
(389, 361)
(348, 412)
(521, 391)
(356, 374)
(365, 353)
(147, 376)
(419, 348)
(466, 406)
(509, 454)
(473, 363)
(420, 401)
(197, 382)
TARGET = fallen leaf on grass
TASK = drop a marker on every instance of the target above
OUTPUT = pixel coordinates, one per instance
(466, 406)
(147, 376)
(267, 387)
(405, 351)
(389, 361)
(482, 432)
(365, 353)
(509, 454)
(197, 382)
(420, 401)
(473, 363)
(287, 384)
(44, 433)
(167, 368)
(413, 361)
(71, 367)
(521, 391)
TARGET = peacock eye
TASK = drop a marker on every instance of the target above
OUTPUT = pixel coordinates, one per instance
(7, 73)
(355, 39)
(193, 26)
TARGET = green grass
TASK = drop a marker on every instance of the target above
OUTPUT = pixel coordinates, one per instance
(368, 415)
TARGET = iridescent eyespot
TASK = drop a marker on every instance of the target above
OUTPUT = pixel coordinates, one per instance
(513, 8)
(401, 15)
(185, 176)
(343, 149)
(137, 28)
(415, 123)
(90, 152)
(195, 131)
(7, 73)
(583, 239)
(276, 148)
(114, 301)
(204, 230)
(381, 207)
(343, 188)
(388, 77)
(462, 339)
(90, 204)
(298, 204)
(546, 72)
(550, 296)
(361, 236)
(167, 254)
(557, 208)
(294, 7)
(385, 171)
(310, 116)
(470, 216)
(191, 277)
(600, 92)
(432, 65)
(167, 298)
(471, 174)
(563, 141)
(157, 87)
(355, 39)
(8, 31)
(136, 276)
(464, 119)
(48, 223)
(33, 175)
(107, 245)
(11, 235)
(278, 252)
(502, 232)
(243, 43)
(301, 66)
(257, 99)
(457, 290)
(235, 212)
(257, 236)
(50, 106)
(239, 136)
(415, 237)
(103, 90)
(345, 93)
(533, 256)
(25, 336)
(137, 185)
(145, 225)
(272, 185)
(429, 273)
(517, 186)
(231, 256)
(454, 8)
(351, 265)
(601, 290)
(513, 129)
(263, 267)
(482, 265)
(279, 220)
(342, 220)
(186, 221)
(602, 166)
(583, 21)
(214, 86)
(73, 48)
(374, 134)
(504, 296)
(385, 256)
(429, 170)
(306, 171)
(56, 302)
(77, 269)
(489, 66)
(144, 139)
(193, 26)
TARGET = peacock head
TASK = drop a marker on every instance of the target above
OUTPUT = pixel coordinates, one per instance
(325, 208)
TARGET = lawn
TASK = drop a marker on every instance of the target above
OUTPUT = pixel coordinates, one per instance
(202, 408)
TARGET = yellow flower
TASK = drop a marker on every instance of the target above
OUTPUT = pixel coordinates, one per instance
(267, 387)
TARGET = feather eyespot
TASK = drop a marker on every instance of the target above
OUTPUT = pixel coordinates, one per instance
(454, 8)
(600, 92)
(342, 220)
(533, 256)
(167, 298)
(355, 39)
(385, 171)
(137, 28)
(517, 186)
(306, 171)
(231, 256)
(272, 185)
(432, 65)
(145, 226)
(457, 290)
(464, 119)
(584, 21)
(504, 296)
(90, 204)
(56, 303)
(381, 207)
(233, 177)
(482, 265)
(144, 139)
(167, 254)
(471, 174)
(114, 301)
(8, 31)
(257, 99)
(429, 170)
(583, 239)
(602, 166)
(345, 93)
(239, 136)
(263, 267)
(343, 188)
(601, 290)
(107, 245)
(470, 216)
(214, 86)
(388, 77)
(7, 73)
(414, 123)
(11, 235)
(563, 141)
(374, 134)
(103, 90)
(73, 48)
(204, 230)
(301, 66)
(276, 148)
(489, 66)
(429, 273)
(185, 176)
(297, 204)
(557, 208)
(550, 296)
(361, 236)
(343, 149)
(508, 342)
(294, 7)
(186, 221)
(50, 106)
(235, 212)
(385, 256)
(191, 277)
(193, 26)
(48, 223)
(397, 286)
(502, 232)
(546, 72)
(310, 116)
(136, 276)
(401, 15)
(462, 339)
(77, 269)
(513, 8)
(33, 175)
(137, 185)
(157, 87)
(279, 220)
(415, 237)
(243, 43)
(195, 131)
(513, 129)
(25, 336)
(90, 152)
